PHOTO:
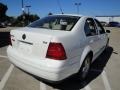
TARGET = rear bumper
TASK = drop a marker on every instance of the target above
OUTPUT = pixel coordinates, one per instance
(40, 70)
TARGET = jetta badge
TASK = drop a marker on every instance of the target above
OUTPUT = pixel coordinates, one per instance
(23, 36)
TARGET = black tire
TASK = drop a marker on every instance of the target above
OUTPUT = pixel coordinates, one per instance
(85, 68)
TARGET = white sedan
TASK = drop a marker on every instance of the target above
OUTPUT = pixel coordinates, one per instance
(58, 46)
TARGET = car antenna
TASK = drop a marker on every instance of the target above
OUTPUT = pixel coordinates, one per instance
(60, 7)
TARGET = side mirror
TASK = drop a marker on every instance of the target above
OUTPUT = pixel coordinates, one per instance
(107, 31)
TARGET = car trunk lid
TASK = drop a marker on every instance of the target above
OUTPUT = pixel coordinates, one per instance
(30, 43)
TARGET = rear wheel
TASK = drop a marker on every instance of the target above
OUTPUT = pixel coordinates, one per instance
(84, 70)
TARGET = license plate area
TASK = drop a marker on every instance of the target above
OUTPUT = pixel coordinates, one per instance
(25, 48)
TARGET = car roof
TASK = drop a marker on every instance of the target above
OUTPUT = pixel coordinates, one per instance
(77, 15)
(69, 15)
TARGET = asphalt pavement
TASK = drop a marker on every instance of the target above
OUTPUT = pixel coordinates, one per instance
(104, 73)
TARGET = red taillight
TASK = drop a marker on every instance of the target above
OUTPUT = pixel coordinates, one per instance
(56, 51)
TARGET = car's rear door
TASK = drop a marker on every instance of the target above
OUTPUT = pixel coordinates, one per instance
(92, 37)
(102, 35)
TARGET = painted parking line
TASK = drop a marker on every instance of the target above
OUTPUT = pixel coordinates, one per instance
(87, 88)
(105, 81)
(43, 86)
(6, 76)
(2, 56)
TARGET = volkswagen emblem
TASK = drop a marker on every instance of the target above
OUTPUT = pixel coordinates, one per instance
(23, 36)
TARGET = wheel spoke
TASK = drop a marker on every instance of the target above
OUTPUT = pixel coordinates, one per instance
(86, 67)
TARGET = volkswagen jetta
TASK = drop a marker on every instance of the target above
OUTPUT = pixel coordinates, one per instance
(58, 46)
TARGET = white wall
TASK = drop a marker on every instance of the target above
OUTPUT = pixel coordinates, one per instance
(116, 19)
(109, 19)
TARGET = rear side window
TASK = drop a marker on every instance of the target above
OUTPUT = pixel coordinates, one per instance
(56, 22)
(90, 27)
(100, 28)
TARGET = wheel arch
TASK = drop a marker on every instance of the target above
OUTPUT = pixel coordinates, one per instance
(86, 52)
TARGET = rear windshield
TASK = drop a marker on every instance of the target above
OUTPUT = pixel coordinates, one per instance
(65, 23)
